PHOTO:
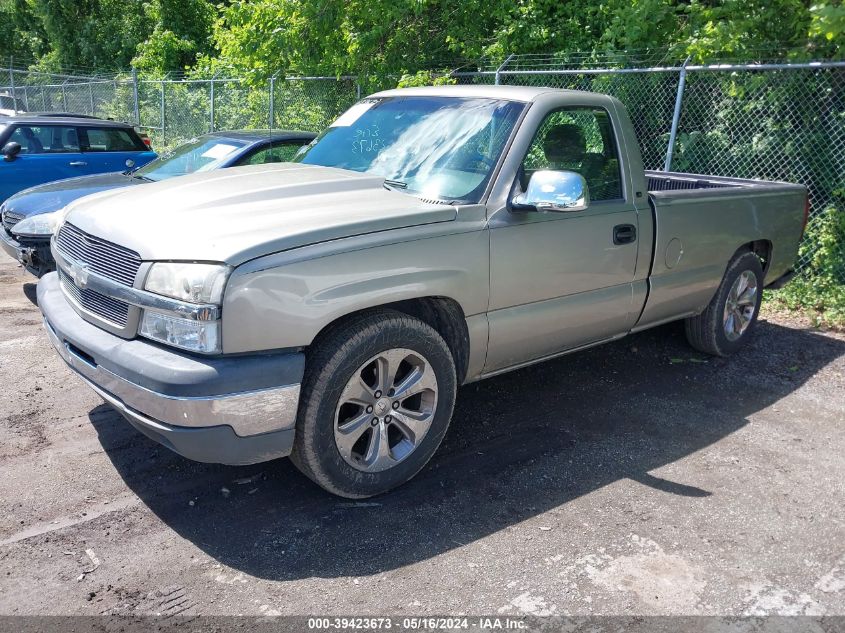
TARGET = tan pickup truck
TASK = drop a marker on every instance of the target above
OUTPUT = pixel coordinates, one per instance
(328, 309)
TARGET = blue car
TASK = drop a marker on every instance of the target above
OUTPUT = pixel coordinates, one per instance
(41, 149)
(29, 217)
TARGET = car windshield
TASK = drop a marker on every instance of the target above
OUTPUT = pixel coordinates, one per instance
(438, 147)
(201, 154)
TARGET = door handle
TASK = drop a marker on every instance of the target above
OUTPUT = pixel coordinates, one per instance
(78, 163)
(624, 234)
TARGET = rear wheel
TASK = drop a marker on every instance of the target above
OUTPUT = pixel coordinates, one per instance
(377, 398)
(726, 324)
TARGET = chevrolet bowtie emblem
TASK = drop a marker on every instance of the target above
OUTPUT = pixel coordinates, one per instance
(79, 274)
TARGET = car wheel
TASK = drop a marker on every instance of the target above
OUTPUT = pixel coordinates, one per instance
(377, 398)
(726, 324)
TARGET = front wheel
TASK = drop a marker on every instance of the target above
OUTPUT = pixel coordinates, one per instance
(728, 320)
(377, 399)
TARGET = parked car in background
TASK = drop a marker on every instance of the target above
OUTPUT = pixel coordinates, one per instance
(29, 217)
(141, 133)
(145, 137)
(43, 149)
(10, 105)
(328, 309)
(68, 115)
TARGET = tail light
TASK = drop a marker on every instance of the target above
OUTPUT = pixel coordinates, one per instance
(806, 213)
(147, 141)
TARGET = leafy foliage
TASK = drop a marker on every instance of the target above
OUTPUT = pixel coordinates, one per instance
(90, 33)
(18, 19)
(182, 32)
(377, 37)
(820, 290)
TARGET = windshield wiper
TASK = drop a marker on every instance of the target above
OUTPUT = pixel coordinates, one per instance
(395, 184)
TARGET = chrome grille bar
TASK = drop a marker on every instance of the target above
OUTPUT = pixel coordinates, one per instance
(110, 260)
(117, 312)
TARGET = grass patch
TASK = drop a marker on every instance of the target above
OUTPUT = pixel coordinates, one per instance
(819, 291)
(820, 300)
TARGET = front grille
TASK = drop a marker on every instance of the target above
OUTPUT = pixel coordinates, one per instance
(10, 219)
(105, 258)
(110, 309)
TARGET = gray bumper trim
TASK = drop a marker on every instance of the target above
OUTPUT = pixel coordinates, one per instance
(33, 254)
(248, 413)
(245, 412)
(12, 248)
(161, 369)
(213, 445)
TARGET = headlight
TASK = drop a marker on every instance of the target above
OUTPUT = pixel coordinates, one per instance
(195, 283)
(38, 225)
(192, 283)
(189, 334)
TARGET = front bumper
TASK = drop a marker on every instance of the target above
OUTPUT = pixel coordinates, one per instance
(33, 254)
(229, 410)
(10, 245)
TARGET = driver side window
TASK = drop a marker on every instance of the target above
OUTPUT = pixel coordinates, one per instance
(579, 140)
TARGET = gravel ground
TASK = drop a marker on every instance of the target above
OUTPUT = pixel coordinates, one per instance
(638, 477)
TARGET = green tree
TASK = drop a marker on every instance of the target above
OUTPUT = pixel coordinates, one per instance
(182, 32)
(336, 37)
(24, 36)
(99, 34)
(263, 37)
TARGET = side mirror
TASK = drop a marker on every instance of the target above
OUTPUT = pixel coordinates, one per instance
(556, 191)
(11, 150)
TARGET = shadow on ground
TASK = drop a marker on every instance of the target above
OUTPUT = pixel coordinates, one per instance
(520, 444)
(30, 292)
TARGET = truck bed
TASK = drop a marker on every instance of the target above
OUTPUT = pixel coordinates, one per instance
(676, 181)
(700, 222)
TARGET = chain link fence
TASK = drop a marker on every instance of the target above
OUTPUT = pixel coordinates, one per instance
(773, 122)
(770, 122)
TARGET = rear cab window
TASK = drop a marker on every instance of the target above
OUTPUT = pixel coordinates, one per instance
(46, 139)
(110, 139)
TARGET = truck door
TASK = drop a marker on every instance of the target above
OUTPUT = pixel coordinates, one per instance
(560, 280)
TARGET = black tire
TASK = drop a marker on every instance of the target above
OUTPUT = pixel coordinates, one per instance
(330, 364)
(706, 332)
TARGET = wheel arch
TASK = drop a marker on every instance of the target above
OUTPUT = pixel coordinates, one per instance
(761, 248)
(443, 314)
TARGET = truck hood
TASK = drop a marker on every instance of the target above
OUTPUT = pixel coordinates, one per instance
(234, 215)
(57, 195)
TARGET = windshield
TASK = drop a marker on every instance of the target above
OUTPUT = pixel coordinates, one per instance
(202, 154)
(439, 147)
